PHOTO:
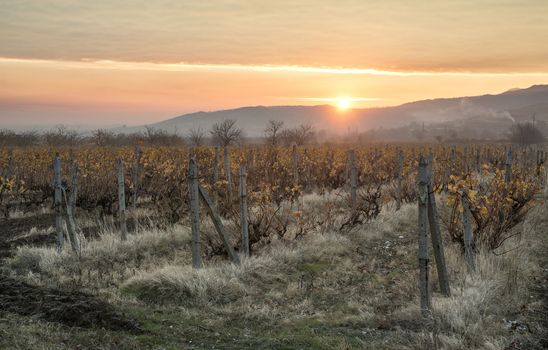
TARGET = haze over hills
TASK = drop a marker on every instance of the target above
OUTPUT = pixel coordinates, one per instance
(495, 113)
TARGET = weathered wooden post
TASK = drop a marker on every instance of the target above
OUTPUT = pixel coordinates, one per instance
(122, 199)
(58, 198)
(437, 241)
(353, 180)
(423, 237)
(243, 211)
(469, 253)
(194, 213)
(217, 222)
(399, 179)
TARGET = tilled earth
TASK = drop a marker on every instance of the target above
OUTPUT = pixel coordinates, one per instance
(71, 308)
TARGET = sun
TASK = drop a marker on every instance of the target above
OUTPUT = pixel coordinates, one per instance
(343, 103)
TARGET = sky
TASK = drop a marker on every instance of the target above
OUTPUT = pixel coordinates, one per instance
(121, 62)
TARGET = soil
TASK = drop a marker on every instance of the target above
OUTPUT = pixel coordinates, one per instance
(74, 309)
(11, 229)
(71, 308)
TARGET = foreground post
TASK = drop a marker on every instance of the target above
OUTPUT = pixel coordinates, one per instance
(469, 253)
(194, 213)
(217, 222)
(437, 242)
(243, 211)
(423, 237)
(58, 202)
(122, 199)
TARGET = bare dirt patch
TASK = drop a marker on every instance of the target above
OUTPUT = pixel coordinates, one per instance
(73, 309)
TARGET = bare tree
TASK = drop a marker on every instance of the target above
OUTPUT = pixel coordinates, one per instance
(196, 137)
(304, 134)
(62, 136)
(300, 135)
(103, 138)
(272, 132)
(226, 132)
(526, 134)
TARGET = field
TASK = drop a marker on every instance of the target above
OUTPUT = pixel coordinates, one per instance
(118, 248)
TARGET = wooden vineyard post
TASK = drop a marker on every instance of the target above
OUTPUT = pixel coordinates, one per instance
(469, 253)
(423, 238)
(58, 197)
(353, 180)
(71, 209)
(217, 222)
(399, 179)
(122, 199)
(194, 212)
(243, 211)
(437, 241)
(136, 178)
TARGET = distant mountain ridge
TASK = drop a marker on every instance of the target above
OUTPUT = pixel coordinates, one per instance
(514, 104)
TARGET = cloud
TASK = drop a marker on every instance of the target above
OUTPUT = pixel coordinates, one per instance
(87, 63)
(394, 35)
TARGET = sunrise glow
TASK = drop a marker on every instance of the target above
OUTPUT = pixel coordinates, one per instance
(143, 67)
(343, 103)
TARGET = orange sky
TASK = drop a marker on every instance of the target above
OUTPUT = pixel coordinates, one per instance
(132, 62)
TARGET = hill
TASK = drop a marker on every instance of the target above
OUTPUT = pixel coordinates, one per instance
(498, 111)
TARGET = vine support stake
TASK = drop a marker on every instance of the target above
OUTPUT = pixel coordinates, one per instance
(194, 213)
(58, 198)
(423, 237)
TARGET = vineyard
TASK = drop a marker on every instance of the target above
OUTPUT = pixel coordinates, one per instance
(240, 231)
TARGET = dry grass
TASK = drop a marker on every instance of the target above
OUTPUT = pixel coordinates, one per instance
(104, 262)
(356, 289)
